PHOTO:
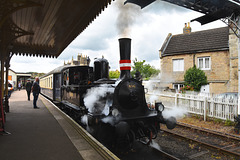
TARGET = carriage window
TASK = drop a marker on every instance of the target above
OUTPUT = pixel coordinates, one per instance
(78, 75)
(65, 77)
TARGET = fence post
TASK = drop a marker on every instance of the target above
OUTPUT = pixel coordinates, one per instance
(176, 99)
(205, 108)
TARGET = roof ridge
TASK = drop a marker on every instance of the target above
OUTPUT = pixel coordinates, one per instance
(206, 30)
(212, 39)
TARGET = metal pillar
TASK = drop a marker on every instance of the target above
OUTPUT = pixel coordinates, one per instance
(2, 115)
(237, 118)
(6, 86)
(2, 77)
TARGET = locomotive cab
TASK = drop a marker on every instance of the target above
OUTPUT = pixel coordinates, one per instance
(76, 80)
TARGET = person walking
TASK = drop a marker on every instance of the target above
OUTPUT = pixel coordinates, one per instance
(19, 86)
(28, 88)
(35, 90)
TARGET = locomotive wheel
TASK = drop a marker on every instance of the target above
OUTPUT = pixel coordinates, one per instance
(154, 131)
(125, 143)
(105, 133)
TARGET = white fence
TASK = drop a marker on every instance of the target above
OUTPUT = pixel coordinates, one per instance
(224, 109)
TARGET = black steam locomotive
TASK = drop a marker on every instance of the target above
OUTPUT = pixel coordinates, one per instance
(114, 111)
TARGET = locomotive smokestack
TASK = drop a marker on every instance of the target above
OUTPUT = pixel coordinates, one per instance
(125, 57)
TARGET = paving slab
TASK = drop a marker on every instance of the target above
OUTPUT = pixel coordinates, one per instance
(35, 133)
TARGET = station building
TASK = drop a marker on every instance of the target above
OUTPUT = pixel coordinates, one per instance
(16, 77)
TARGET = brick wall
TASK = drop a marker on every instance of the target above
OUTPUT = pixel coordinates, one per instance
(218, 76)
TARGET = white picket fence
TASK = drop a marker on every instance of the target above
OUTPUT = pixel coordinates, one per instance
(224, 109)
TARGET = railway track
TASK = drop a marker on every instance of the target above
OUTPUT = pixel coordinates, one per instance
(141, 151)
(164, 154)
(225, 143)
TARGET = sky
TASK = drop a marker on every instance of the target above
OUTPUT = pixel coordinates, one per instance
(147, 27)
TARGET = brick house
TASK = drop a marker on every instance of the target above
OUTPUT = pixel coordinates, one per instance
(214, 51)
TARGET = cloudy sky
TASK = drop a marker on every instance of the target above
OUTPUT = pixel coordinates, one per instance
(147, 28)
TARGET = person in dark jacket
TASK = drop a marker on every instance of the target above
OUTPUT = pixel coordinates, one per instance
(35, 90)
(28, 88)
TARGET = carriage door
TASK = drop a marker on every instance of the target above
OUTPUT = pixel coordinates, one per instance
(57, 87)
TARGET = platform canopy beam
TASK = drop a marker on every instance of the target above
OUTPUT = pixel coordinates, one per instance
(45, 28)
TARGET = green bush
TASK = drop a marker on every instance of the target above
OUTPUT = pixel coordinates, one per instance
(218, 121)
(229, 123)
(195, 78)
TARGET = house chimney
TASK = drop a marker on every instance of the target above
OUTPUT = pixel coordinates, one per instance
(125, 57)
(187, 28)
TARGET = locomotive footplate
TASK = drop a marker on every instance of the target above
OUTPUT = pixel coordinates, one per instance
(70, 105)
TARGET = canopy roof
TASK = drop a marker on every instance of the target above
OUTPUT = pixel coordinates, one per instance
(44, 27)
(213, 9)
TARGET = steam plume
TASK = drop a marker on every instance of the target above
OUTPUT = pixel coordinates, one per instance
(126, 18)
(177, 112)
(93, 102)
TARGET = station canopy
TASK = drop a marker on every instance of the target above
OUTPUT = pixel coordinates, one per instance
(44, 27)
(213, 9)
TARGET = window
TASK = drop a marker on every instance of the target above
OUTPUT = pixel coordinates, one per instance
(177, 86)
(204, 63)
(178, 65)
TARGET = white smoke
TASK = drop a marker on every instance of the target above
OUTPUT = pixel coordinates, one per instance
(153, 84)
(84, 120)
(177, 112)
(109, 120)
(92, 99)
(127, 16)
(153, 98)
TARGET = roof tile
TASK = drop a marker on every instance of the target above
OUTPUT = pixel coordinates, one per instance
(208, 40)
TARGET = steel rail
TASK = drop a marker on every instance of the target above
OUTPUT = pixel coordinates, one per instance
(204, 144)
(165, 154)
(205, 130)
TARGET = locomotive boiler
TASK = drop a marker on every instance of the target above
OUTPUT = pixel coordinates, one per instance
(113, 111)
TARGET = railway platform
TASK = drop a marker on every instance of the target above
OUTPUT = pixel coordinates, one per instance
(45, 133)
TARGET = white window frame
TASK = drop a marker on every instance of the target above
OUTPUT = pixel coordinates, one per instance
(204, 67)
(179, 86)
(178, 65)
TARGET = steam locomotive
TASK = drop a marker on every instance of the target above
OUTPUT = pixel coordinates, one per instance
(113, 111)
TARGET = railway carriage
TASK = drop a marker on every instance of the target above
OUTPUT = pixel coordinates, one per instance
(51, 84)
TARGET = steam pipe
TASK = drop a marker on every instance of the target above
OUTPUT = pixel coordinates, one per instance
(125, 57)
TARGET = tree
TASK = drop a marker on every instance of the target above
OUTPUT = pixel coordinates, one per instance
(146, 70)
(114, 74)
(195, 78)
